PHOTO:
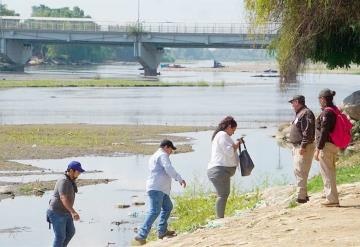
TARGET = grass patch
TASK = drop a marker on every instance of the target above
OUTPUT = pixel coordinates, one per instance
(58, 141)
(293, 204)
(101, 83)
(194, 209)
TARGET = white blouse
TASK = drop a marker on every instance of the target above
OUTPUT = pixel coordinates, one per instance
(222, 151)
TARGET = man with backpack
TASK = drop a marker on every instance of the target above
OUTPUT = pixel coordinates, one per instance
(333, 132)
(302, 136)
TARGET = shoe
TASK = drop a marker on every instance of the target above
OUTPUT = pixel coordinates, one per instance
(307, 198)
(298, 200)
(137, 241)
(330, 204)
(168, 233)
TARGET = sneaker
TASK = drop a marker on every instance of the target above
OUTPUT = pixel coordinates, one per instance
(137, 241)
(168, 233)
(330, 204)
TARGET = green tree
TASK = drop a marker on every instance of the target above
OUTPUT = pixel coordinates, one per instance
(325, 31)
(4, 11)
(66, 12)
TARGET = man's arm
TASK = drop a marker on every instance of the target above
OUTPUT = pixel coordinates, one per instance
(307, 124)
(169, 169)
(66, 202)
(65, 188)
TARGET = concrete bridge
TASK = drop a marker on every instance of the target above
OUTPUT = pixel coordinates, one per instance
(148, 39)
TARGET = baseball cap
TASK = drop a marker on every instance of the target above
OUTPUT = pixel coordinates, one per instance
(76, 166)
(167, 143)
(299, 98)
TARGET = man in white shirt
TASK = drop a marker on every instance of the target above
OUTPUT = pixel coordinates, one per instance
(158, 187)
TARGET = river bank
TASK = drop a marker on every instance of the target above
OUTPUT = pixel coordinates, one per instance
(5, 83)
(277, 220)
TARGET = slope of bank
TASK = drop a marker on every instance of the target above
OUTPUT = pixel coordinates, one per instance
(278, 221)
(276, 225)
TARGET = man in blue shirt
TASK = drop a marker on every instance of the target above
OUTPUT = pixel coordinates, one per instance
(158, 187)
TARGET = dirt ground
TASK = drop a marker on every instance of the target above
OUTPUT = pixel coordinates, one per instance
(274, 224)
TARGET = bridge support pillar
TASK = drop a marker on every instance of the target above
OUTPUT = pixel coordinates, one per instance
(149, 57)
(17, 51)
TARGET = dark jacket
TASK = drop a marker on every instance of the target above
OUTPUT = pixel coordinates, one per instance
(325, 124)
(303, 128)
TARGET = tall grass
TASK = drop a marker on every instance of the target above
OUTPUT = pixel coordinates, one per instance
(196, 207)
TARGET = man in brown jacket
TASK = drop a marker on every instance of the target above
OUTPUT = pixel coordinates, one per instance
(302, 135)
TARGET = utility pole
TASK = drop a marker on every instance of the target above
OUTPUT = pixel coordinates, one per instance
(138, 16)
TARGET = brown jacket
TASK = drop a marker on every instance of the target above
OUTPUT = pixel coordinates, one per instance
(325, 124)
(303, 128)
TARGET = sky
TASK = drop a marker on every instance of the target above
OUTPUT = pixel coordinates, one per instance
(190, 11)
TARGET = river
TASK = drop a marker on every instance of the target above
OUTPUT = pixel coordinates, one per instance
(254, 102)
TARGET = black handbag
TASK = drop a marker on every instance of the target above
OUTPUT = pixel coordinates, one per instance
(246, 163)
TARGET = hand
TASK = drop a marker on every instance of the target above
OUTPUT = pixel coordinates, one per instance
(183, 183)
(75, 216)
(241, 140)
(236, 146)
(316, 154)
(302, 151)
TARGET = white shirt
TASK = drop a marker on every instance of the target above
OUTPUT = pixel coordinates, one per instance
(161, 172)
(222, 151)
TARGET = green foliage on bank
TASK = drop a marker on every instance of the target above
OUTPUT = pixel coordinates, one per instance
(196, 207)
(326, 31)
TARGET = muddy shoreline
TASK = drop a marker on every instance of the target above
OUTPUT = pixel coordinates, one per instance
(24, 142)
(21, 142)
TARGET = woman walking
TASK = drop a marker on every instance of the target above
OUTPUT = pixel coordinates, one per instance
(223, 162)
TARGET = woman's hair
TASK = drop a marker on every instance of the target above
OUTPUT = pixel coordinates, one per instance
(229, 120)
(329, 99)
(328, 95)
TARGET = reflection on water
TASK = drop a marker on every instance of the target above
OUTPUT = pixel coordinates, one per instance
(98, 203)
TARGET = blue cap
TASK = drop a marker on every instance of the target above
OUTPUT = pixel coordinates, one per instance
(75, 165)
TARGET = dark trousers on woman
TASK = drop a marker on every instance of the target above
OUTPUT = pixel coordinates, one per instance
(220, 178)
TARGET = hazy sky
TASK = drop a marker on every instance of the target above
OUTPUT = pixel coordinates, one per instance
(208, 11)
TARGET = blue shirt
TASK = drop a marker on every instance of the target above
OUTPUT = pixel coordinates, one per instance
(161, 172)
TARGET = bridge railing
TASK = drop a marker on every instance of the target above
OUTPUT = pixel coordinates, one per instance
(134, 28)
